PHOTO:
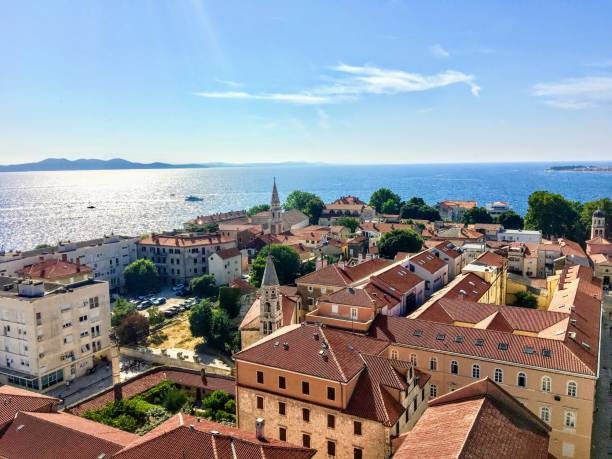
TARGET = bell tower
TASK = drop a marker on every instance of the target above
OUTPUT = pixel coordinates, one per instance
(598, 224)
(270, 312)
(276, 222)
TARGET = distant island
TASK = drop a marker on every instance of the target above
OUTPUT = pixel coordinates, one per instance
(63, 164)
(580, 168)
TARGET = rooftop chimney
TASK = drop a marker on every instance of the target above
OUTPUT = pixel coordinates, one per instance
(78, 264)
(260, 429)
(203, 375)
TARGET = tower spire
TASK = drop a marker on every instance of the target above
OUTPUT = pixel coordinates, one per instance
(269, 276)
(275, 201)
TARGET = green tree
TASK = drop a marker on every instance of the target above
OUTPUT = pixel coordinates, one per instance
(258, 208)
(308, 267)
(381, 196)
(308, 203)
(286, 261)
(586, 215)
(204, 286)
(417, 208)
(174, 399)
(217, 400)
(510, 220)
(349, 222)
(553, 215)
(200, 319)
(132, 329)
(156, 317)
(526, 300)
(476, 215)
(141, 277)
(390, 206)
(220, 330)
(229, 300)
(121, 310)
(399, 241)
(42, 246)
(211, 228)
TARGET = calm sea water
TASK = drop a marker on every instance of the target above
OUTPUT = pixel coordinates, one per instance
(44, 207)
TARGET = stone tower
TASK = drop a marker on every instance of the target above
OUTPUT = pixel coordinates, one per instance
(276, 223)
(598, 224)
(270, 312)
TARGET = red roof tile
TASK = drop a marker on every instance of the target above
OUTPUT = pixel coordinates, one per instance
(14, 399)
(428, 261)
(53, 269)
(185, 241)
(228, 253)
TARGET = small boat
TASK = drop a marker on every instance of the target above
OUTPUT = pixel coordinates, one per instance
(91, 207)
(192, 198)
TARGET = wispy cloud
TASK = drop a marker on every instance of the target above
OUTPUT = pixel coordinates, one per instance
(438, 51)
(229, 83)
(351, 82)
(576, 93)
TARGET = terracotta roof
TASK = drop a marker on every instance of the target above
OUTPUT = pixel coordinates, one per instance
(56, 435)
(53, 269)
(383, 228)
(490, 259)
(148, 379)
(464, 204)
(187, 437)
(467, 286)
(228, 253)
(350, 199)
(477, 420)
(351, 297)
(448, 310)
(302, 353)
(396, 279)
(571, 248)
(428, 261)
(334, 275)
(446, 247)
(480, 343)
(14, 399)
(185, 241)
(243, 285)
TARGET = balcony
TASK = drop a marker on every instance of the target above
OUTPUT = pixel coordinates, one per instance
(336, 320)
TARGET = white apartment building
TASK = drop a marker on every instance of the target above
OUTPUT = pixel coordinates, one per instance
(497, 208)
(51, 333)
(511, 235)
(107, 257)
(430, 268)
(225, 265)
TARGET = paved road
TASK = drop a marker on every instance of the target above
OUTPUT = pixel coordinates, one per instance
(602, 434)
(85, 386)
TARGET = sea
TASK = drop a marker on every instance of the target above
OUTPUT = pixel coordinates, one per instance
(47, 207)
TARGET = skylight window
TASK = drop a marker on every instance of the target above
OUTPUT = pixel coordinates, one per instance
(418, 333)
(458, 339)
(440, 336)
(529, 350)
(479, 342)
(546, 352)
(502, 346)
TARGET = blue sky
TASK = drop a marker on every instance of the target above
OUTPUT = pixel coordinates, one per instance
(334, 81)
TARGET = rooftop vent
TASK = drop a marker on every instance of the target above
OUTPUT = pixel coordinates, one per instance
(315, 336)
(479, 342)
(214, 432)
(572, 335)
(502, 346)
(276, 344)
(458, 339)
(260, 429)
(585, 345)
(286, 346)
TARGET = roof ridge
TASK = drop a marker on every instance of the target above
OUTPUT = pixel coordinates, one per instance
(333, 354)
(471, 428)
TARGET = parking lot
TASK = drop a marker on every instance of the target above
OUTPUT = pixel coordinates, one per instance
(167, 301)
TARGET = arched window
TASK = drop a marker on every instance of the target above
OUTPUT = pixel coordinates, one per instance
(476, 371)
(572, 389)
(413, 360)
(394, 354)
(499, 375)
(521, 379)
(545, 413)
(454, 367)
(433, 364)
(570, 419)
(545, 384)
(267, 307)
(433, 391)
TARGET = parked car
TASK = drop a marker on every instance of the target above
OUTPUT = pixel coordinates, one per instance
(168, 313)
(161, 300)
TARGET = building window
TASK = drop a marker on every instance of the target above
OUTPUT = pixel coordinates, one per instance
(260, 377)
(357, 453)
(305, 387)
(260, 403)
(433, 364)
(305, 415)
(572, 389)
(282, 434)
(545, 413)
(331, 448)
(499, 375)
(545, 384)
(476, 371)
(454, 367)
(306, 440)
(331, 421)
(282, 382)
(413, 360)
(521, 380)
(433, 391)
(357, 427)
(282, 408)
(394, 355)
(570, 419)
(331, 393)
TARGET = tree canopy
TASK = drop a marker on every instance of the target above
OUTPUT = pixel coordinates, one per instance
(586, 215)
(380, 198)
(476, 215)
(132, 328)
(200, 319)
(526, 300)
(554, 215)
(204, 286)
(348, 222)
(510, 220)
(258, 208)
(308, 203)
(286, 261)
(229, 300)
(399, 241)
(417, 208)
(141, 277)
(121, 310)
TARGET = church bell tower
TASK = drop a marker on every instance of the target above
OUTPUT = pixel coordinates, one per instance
(276, 222)
(598, 224)
(270, 313)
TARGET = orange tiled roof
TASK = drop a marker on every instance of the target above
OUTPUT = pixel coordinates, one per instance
(14, 399)
(53, 269)
(428, 261)
(228, 253)
(185, 241)
(464, 204)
